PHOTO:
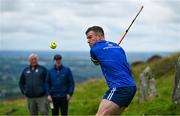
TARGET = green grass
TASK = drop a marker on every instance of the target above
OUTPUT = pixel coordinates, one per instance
(88, 95)
(161, 105)
(19, 105)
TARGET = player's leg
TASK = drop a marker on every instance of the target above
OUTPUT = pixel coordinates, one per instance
(116, 100)
(109, 108)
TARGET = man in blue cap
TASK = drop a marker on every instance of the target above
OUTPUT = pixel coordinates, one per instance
(60, 86)
(116, 70)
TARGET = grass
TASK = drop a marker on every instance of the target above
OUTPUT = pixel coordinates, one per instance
(88, 95)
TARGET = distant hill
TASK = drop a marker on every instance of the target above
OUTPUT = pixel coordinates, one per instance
(13, 62)
(88, 95)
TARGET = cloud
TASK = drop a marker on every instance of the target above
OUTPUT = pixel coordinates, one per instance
(30, 22)
(9, 5)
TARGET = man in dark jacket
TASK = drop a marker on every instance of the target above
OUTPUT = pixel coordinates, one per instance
(32, 85)
(60, 86)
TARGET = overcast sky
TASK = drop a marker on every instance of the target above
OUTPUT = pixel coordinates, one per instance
(33, 24)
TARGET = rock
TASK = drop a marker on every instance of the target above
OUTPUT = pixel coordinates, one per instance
(143, 85)
(152, 92)
(176, 91)
(147, 85)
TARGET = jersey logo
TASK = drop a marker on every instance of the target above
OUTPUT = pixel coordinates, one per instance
(109, 45)
(28, 71)
(36, 70)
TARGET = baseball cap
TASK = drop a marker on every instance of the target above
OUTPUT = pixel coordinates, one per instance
(57, 57)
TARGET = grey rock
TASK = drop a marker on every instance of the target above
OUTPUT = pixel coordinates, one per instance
(152, 92)
(176, 91)
(147, 85)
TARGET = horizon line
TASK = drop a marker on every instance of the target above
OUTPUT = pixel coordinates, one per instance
(77, 51)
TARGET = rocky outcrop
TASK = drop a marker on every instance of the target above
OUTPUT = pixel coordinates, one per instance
(147, 85)
(176, 91)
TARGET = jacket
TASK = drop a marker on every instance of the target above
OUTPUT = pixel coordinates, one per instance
(32, 82)
(59, 82)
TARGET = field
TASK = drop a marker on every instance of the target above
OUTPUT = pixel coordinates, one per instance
(88, 95)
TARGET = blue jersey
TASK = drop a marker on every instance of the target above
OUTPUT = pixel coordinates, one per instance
(113, 62)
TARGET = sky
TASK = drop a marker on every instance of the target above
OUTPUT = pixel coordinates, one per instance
(33, 24)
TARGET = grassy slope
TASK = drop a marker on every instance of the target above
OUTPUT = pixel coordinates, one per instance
(88, 95)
